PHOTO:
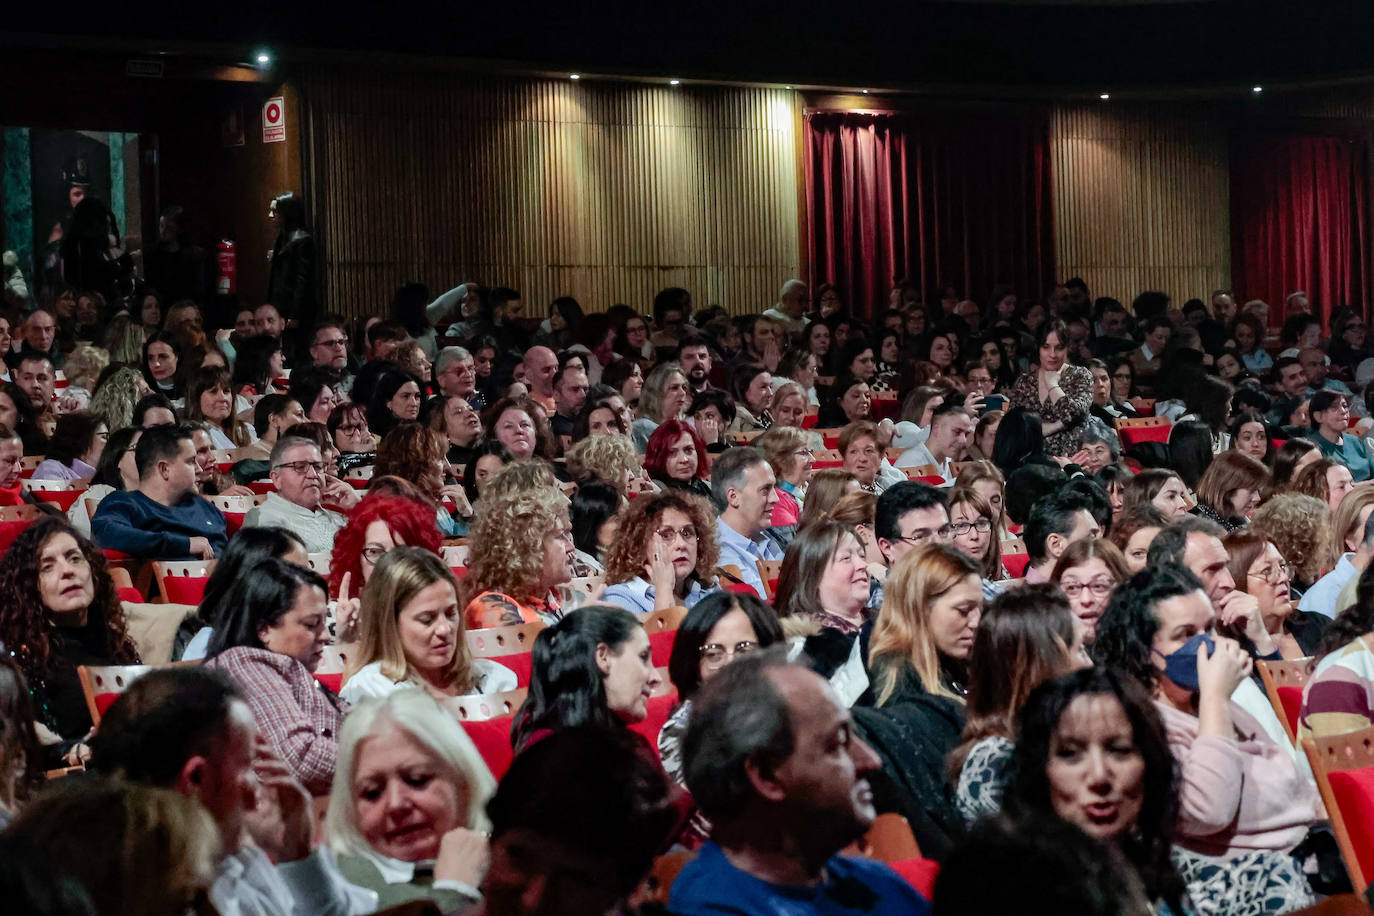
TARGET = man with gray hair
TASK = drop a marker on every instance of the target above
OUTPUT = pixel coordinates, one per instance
(770, 756)
(790, 311)
(456, 372)
(298, 502)
(744, 489)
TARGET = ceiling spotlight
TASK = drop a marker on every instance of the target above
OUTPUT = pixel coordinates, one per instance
(263, 57)
(574, 76)
(787, 87)
(1257, 89)
(1104, 96)
(674, 82)
(865, 92)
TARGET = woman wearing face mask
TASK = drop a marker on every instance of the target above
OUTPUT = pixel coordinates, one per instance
(1259, 569)
(1243, 803)
(411, 634)
(664, 554)
(270, 643)
(594, 667)
(1091, 751)
(1026, 637)
(822, 593)
(1087, 572)
(1059, 392)
(404, 760)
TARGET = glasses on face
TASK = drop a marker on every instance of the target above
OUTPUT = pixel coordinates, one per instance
(336, 342)
(959, 529)
(373, 552)
(943, 533)
(667, 535)
(1274, 573)
(715, 655)
(300, 467)
(1097, 589)
(804, 453)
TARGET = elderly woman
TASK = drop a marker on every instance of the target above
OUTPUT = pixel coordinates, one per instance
(270, 642)
(789, 454)
(521, 552)
(1100, 446)
(460, 425)
(411, 634)
(664, 554)
(864, 458)
(1231, 489)
(407, 809)
(608, 459)
(1059, 392)
(1330, 415)
(60, 611)
(665, 396)
(1260, 570)
(675, 457)
(415, 453)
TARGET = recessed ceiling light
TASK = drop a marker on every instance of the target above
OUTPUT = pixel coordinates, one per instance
(865, 92)
(1257, 90)
(1104, 96)
(674, 82)
(787, 87)
(574, 76)
(263, 57)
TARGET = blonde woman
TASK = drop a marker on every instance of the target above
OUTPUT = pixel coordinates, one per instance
(411, 634)
(792, 459)
(609, 459)
(521, 552)
(82, 367)
(1300, 527)
(403, 752)
(114, 400)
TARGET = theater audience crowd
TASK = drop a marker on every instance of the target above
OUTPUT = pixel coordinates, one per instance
(583, 608)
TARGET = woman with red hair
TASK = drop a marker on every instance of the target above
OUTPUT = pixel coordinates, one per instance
(377, 524)
(676, 457)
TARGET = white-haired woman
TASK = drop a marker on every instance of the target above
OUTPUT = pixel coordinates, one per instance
(407, 812)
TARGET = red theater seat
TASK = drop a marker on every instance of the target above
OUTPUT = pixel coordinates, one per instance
(492, 739)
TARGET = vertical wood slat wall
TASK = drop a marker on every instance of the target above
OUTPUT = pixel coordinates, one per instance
(605, 192)
(1142, 199)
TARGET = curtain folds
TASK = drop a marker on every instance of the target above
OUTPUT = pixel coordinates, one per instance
(1300, 219)
(898, 195)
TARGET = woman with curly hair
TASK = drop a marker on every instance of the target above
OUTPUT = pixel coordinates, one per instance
(377, 524)
(521, 426)
(608, 459)
(82, 367)
(663, 555)
(416, 453)
(58, 610)
(1300, 527)
(116, 395)
(521, 552)
(1323, 479)
(675, 456)
(210, 397)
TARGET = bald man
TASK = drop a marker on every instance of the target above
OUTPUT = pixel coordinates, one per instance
(792, 304)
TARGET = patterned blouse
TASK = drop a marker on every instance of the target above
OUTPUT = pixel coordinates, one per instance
(1071, 410)
(493, 609)
(983, 778)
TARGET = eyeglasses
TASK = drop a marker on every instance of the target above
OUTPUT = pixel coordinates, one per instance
(373, 552)
(688, 534)
(337, 342)
(715, 655)
(959, 529)
(353, 428)
(1274, 574)
(804, 453)
(943, 533)
(300, 467)
(1099, 589)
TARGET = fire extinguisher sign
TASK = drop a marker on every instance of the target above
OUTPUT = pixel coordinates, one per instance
(274, 121)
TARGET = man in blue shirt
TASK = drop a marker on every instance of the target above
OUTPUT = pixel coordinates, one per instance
(771, 759)
(165, 518)
(744, 489)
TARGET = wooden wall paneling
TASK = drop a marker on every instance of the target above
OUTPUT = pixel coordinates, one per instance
(604, 192)
(1141, 199)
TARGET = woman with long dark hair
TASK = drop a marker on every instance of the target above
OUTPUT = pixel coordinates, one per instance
(594, 667)
(1061, 393)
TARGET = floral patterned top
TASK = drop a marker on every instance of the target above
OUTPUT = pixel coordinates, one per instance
(493, 609)
(983, 778)
(1071, 410)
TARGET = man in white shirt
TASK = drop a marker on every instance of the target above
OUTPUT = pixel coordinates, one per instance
(1323, 596)
(188, 729)
(742, 483)
(791, 307)
(951, 428)
(297, 504)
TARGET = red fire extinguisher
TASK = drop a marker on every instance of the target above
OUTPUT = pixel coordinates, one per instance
(228, 267)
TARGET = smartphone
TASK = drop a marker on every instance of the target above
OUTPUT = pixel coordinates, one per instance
(993, 402)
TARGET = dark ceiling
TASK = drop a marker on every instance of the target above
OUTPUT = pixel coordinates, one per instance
(957, 45)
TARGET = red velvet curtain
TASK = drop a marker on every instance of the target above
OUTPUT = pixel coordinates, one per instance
(963, 202)
(1300, 219)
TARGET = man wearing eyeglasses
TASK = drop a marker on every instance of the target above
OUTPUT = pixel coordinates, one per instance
(909, 515)
(297, 505)
(329, 347)
(165, 518)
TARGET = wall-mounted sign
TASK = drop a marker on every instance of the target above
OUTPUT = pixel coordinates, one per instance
(274, 121)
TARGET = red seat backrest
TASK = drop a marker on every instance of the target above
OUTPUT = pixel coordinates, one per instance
(1016, 563)
(130, 595)
(233, 521)
(1133, 435)
(1291, 698)
(741, 588)
(492, 738)
(62, 499)
(521, 663)
(661, 644)
(185, 589)
(660, 708)
(11, 530)
(1354, 794)
(333, 681)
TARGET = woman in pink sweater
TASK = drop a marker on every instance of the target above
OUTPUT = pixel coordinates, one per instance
(1243, 805)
